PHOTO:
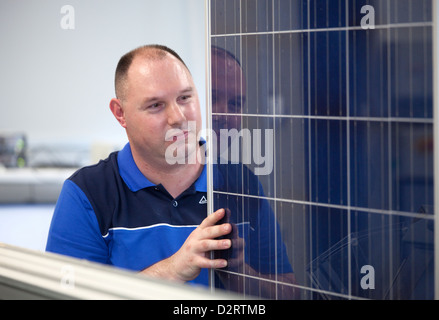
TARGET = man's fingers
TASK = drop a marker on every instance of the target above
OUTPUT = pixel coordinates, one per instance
(211, 264)
(210, 245)
(208, 229)
(213, 218)
(215, 231)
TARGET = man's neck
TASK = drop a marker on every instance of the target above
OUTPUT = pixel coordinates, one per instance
(174, 178)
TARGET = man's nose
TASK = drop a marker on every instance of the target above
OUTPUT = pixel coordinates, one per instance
(175, 114)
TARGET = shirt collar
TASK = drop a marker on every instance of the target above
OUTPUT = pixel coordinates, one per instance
(135, 179)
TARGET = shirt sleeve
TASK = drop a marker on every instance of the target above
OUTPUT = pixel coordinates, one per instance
(267, 251)
(273, 251)
(74, 230)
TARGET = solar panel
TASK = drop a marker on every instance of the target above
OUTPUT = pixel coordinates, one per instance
(330, 104)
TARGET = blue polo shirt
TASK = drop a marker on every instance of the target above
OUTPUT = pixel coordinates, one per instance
(111, 213)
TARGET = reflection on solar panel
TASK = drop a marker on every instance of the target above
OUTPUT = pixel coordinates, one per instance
(346, 87)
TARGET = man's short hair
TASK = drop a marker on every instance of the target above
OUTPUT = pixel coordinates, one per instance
(153, 51)
(221, 52)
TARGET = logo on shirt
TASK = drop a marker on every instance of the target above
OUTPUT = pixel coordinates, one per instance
(203, 200)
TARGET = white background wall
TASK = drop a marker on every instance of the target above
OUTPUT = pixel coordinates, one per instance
(56, 84)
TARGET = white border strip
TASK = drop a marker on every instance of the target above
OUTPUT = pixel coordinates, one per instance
(147, 227)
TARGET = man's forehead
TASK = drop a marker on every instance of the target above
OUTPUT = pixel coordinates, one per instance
(147, 65)
(151, 80)
(228, 77)
(224, 69)
(224, 62)
(156, 73)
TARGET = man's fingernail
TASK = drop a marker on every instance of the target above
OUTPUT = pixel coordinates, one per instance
(227, 243)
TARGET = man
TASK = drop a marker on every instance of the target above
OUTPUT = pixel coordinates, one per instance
(134, 210)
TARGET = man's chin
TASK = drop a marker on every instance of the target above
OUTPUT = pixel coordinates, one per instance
(182, 152)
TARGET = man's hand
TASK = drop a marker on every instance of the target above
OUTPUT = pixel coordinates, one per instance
(186, 263)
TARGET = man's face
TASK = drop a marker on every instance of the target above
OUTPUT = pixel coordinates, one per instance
(160, 101)
(228, 92)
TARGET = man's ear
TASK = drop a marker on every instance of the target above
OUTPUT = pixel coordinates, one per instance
(118, 112)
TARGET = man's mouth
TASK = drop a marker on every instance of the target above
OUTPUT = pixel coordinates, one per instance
(183, 136)
(176, 134)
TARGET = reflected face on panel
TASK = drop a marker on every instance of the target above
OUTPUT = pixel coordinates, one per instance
(228, 90)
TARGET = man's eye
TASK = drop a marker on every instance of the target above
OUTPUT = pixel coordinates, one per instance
(184, 98)
(234, 106)
(154, 106)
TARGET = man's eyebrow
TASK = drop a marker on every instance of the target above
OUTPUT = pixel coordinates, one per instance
(188, 89)
(150, 100)
(155, 99)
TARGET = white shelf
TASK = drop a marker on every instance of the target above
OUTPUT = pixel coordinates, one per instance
(28, 185)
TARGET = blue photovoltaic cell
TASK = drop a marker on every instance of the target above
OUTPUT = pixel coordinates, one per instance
(342, 207)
